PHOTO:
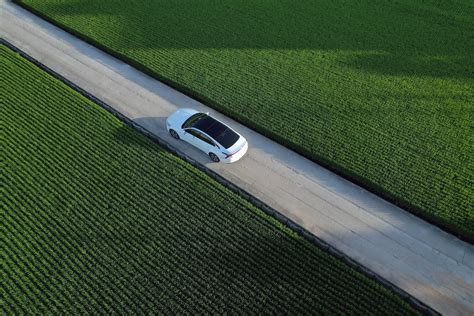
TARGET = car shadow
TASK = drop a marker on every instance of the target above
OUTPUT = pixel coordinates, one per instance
(157, 127)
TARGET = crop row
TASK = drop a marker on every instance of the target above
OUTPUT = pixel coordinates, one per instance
(98, 217)
(349, 86)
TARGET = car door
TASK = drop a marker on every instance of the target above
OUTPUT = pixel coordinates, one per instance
(188, 136)
(193, 137)
(203, 142)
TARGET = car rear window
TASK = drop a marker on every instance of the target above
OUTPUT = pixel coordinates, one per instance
(227, 138)
(220, 132)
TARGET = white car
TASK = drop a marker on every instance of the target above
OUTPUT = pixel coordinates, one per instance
(206, 133)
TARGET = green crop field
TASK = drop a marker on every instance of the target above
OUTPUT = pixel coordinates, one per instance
(97, 217)
(379, 91)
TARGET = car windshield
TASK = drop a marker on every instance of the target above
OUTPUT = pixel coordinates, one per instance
(221, 133)
(193, 119)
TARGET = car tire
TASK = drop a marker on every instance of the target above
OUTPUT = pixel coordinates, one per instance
(174, 134)
(214, 157)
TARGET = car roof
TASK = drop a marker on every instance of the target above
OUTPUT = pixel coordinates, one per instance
(223, 134)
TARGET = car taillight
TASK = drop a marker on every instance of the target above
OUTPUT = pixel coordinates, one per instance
(228, 155)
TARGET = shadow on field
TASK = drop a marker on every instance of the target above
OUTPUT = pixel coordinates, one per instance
(267, 274)
(428, 39)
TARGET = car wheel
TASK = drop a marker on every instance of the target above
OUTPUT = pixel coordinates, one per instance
(174, 134)
(214, 157)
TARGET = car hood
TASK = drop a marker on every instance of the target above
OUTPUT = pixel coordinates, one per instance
(180, 116)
